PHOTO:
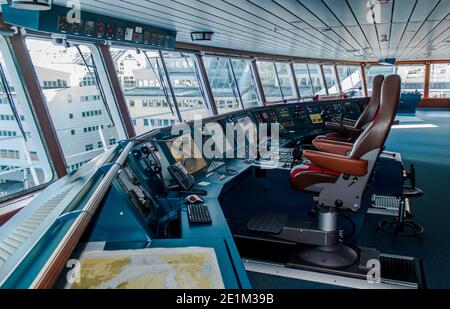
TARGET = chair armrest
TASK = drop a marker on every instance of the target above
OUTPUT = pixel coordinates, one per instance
(337, 163)
(344, 130)
(330, 146)
(345, 121)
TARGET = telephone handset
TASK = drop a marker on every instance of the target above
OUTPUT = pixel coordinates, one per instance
(184, 179)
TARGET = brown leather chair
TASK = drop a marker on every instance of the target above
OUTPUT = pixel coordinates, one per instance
(347, 130)
(339, 180)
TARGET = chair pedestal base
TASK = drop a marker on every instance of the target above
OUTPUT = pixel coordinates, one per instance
(336, 256)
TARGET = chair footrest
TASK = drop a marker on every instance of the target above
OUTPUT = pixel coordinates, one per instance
(268, 223)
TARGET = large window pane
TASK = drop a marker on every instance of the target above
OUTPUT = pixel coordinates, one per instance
(413, 77)
(330, 78)
(23, 161)
(377, 70)
(351, 80)
(269, 81)
(246, 82)
(286, 81)
(223, 86)
(303, 80)
(316, 77)
(142, 79)
(440, 80)
(184, 77)
(276, 81)
(77, 108)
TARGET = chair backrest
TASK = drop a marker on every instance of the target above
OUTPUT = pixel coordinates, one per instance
(370, 111)
(375, 135)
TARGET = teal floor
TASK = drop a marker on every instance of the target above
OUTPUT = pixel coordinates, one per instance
(429, 149)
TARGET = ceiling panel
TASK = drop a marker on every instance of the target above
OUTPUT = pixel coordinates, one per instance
(326, 29)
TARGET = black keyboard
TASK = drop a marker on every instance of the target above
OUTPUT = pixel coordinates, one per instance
(198, 214)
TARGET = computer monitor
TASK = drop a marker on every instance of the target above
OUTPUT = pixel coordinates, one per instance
(191, 158)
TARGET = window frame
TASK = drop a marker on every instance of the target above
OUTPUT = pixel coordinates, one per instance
(22, 95)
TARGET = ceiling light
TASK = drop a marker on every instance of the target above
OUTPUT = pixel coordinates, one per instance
(202, 35)
(33, 5)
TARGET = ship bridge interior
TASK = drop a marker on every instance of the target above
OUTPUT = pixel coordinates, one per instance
(233, 144)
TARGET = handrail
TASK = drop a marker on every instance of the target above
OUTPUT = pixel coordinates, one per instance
(51, 270)
(40, 229)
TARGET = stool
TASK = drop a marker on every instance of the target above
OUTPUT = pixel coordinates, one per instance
(401, 227)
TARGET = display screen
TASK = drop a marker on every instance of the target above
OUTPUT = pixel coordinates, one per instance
(89, 28)
(316, 118)
(185, 151)
(120, 33)
(284, 113)
(77, 27)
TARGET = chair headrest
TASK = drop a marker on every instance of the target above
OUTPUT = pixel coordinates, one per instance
(376, 133)
(371, 109)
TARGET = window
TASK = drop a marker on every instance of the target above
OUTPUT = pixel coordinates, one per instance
(223, 85)
(413, 78)
(89, 147)
(351, 80)
(70, 116)
(23, 163)
(246, 82)
(269, 81)
(316, 78)
(286, 81)
(131, 65)
(77, 69)
(72, 132)
(100, 144)
(34, 156)
(303, 80)
(440, 80)
(112, 141)
(276, 81)
(185, 79)
(330, 78)
(377, 70)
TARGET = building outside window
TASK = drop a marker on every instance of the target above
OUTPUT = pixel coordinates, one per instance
(75, 69)
(23, 160)
(304, 81)
(276, 80)
(317, 80)
(330, 78)
(413, 78)
(350, 78)
(185, 79)
(146, 68)
(440, 80)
